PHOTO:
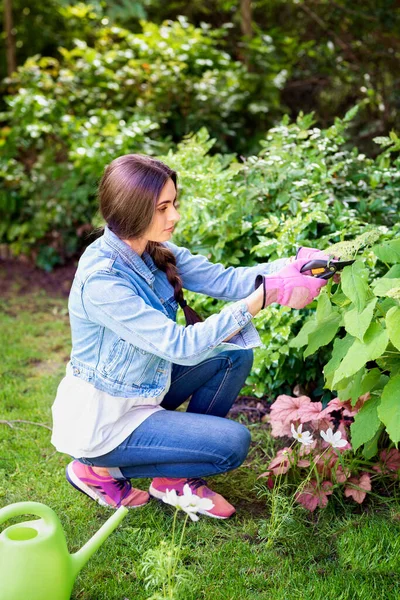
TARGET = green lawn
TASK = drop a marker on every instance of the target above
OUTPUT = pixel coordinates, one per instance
(344, 552)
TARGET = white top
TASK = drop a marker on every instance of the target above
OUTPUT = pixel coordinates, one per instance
(88, 422)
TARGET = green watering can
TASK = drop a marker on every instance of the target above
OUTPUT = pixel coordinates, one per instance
(34, 560)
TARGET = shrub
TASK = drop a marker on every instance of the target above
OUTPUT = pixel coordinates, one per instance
(303, 189)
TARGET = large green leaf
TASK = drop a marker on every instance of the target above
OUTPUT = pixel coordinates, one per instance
(356, 323)
(301, 338)
(350, 388)
(389, 408)
(366, 423)
(374, 345)
(324, 307)
(388, 252)
(393, 273)
(354, 282)
(325, 333)
(371, 447)
(393, 326)
(370, 381)
(340, 349)
(386, 285)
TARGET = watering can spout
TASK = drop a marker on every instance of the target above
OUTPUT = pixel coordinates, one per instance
(80, 558)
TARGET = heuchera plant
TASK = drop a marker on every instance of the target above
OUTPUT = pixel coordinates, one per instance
(323, 458)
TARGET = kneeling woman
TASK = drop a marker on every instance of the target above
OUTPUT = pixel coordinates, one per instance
(132, 365)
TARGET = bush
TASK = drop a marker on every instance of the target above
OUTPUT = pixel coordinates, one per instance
(303, 189)
(117, 93)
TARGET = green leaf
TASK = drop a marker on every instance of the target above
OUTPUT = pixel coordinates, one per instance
(383, 286)
(371, 448)
(340, 299)
(389, 408)
(325, 333)
(301, 338)
(393, 325)
(366, 423)
(356, 323)
(390, 361)
(389, 252)
(354, 280)
(393, 273)
(374, 345)
(370, 380)
(351, 388)
(324, 307)
(340, 349)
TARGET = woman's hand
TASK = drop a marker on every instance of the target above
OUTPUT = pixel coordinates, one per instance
(290, 287)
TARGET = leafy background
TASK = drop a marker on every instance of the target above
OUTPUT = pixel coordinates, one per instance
(280, 128)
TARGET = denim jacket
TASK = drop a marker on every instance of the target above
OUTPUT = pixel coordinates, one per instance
(123, 316)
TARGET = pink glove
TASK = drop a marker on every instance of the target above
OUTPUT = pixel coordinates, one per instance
(315, 254)
(289, 287)
(312, 254)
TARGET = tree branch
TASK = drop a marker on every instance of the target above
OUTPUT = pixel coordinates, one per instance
(10, 423)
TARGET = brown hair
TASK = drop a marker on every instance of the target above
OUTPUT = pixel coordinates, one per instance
(128, 195)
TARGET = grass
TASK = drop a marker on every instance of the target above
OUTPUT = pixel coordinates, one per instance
(343, 553)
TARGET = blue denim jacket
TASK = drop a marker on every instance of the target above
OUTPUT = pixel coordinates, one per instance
(123, 316)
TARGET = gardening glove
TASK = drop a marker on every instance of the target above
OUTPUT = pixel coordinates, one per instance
(315, 254)
(289, 287)
(312, 253)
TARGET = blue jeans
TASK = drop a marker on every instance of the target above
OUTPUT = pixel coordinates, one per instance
(196, 443)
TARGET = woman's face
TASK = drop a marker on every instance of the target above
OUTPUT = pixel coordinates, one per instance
(165, 216)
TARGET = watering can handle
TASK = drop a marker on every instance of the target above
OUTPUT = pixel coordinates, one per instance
(28, 508)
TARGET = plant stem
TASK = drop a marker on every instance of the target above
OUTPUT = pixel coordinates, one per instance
(178, 552)
(170, 570)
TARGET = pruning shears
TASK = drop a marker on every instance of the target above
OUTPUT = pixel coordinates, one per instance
(325, 269)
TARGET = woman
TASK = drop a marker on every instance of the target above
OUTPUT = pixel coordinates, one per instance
(132, 365)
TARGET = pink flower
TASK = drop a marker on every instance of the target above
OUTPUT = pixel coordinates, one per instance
(358, 487)
(312, 496)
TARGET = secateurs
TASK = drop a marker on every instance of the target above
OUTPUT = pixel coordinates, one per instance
(325, 269)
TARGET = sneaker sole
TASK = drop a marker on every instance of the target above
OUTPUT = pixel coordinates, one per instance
(159, 495)
(85, 489)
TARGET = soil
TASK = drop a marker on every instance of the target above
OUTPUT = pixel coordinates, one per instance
(24, 277)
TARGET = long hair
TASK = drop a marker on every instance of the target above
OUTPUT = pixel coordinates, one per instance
(128, 193)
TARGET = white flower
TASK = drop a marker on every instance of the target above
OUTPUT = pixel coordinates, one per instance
(303, 437)
(334, 439)
(188, 502)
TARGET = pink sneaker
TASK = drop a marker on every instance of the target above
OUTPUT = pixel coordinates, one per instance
(103, 488)
(221, 509)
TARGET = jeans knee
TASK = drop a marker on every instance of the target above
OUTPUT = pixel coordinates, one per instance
(244, 445)
(239, 445)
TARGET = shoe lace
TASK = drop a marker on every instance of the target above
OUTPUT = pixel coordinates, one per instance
(120, 483)
(196, 482)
